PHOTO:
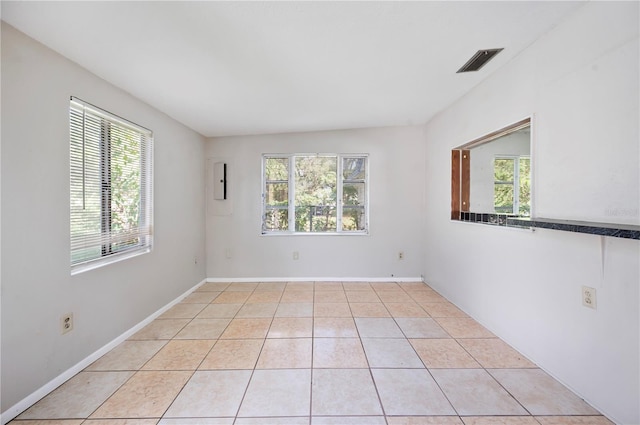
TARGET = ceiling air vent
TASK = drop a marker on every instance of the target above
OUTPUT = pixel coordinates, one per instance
(478, 60)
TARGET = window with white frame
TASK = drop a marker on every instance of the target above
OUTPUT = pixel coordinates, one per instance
(512, 185)
(310, 194)
(110, 187)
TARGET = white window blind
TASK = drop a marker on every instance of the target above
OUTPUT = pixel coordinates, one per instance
(110, 185)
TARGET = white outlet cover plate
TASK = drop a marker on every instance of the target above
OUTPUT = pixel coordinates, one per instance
(589, 297)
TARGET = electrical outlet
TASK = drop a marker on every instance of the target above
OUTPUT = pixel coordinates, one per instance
(296, 255)
(401, 255)
(66, 323)
(589, 297)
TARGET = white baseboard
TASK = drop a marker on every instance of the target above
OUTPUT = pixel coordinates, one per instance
(314, 279)
(41, 392)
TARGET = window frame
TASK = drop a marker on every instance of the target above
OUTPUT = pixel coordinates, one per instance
(110, 124)
(291, 207)
(515, 184)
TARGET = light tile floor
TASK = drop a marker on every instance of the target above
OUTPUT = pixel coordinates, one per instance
(312, 353)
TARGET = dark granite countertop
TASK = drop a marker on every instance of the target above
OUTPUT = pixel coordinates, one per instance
(627, 231)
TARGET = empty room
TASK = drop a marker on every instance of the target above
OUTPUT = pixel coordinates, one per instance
(319, 213)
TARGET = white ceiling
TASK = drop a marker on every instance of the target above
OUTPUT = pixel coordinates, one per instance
(231, 68)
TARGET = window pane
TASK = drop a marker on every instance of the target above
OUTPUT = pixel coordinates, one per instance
(315, 193)
(277, 194)
(503, 198)
(503, 169)
(125, 187)
(276, 169)
(316, 218)
(276, 219)
(353, 218)
(524, 195)
(353, 168)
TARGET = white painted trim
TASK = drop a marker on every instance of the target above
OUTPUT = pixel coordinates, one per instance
(314, 279)
(41, 392)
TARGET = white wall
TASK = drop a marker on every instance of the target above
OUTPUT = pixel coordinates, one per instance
(396, 209)
(37, 287)
(581, 83)
(481, 187)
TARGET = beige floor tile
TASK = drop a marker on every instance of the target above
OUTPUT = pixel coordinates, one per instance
(344, 392)
(153, 421)
(219, 311)
(499, 420)
(390, 353)
(294, 310)
(348, 420)
(405, 392)
(196, 421)
(242, 286)
(211, 394)
(473, 392)
(330, 297)
(427, 296)
(147, 394)
(160, 329)
(78, 397)
(299, 286)
(285, 353)
(460, 327)
(296, 296)
(183, 311)
(271, 286)
(412, 286)
(49, 422)
(203, 329)
(331, 310)
(424, 420)
(378, 327)
(540, 394)
(443, 309)
(335, 327)
(265, 297)
(328, 286)
(213, 287)
(394, 296)
(233, 354)
(443, 354)
(180, 355)
(367, 296)
(573, 420)
(421, 327)
(385, 286)
(337, 353)
(247, 328)
(493, 353)
(200, 297)
(238, 297)
(291, 327)
(283, 420)
(369, 310)
(273, 393)
(129, 355)
(408, 309)
(357, 286)
(257, 310)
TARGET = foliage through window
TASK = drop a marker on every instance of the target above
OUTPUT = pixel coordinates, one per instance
(315, 194)
(110, 187)
(512, 185)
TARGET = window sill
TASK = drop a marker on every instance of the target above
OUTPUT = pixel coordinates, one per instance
(314, 234)
(97, 263)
